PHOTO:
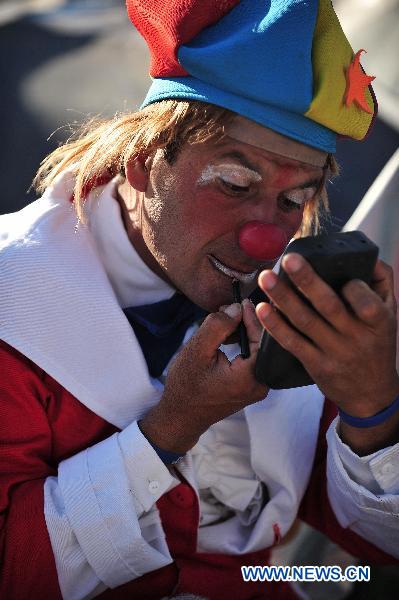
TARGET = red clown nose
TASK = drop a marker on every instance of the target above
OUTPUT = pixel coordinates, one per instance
(262, 241)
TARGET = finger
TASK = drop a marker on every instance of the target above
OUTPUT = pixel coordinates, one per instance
(302, 316)
(214, 331)
(253, 327)
(321, 295)
(383, 284)
(286, 336)
(366, 304)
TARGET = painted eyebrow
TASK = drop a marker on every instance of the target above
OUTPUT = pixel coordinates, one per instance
(315, 182)
(242, 158)
(309, 184)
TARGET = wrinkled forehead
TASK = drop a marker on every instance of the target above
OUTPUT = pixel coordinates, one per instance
(249, 132)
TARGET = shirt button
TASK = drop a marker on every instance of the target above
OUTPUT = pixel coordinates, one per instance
(153, 487)
(387, 468)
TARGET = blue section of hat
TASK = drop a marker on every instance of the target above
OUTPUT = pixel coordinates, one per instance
(260, 50)
(257, 62)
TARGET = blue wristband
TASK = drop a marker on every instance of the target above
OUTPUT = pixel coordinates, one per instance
(376, 419)
(168, 458)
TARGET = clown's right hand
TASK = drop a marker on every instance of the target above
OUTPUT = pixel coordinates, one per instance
(203, 386)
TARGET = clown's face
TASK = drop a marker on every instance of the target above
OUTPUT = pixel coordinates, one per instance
(192, 211)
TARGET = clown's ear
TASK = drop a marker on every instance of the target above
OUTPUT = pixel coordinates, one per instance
(137, 173)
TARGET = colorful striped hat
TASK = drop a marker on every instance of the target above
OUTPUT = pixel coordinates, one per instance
(285, 64)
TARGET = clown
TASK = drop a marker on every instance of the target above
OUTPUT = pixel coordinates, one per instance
(140, 456)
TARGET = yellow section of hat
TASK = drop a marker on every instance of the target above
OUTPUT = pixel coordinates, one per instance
(331, 57)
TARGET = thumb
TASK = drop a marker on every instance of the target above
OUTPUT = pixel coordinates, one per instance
(216, 329)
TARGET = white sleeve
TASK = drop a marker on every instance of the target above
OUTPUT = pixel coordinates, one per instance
(101, 516)
(364, 491)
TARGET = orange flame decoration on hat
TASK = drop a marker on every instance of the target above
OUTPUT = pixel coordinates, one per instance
(357, 83)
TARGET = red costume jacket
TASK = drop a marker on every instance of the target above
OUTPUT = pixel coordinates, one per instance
(43, 424)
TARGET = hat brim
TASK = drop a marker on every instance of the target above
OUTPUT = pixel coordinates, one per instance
(290, 124)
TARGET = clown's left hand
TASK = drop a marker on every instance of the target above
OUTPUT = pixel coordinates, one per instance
(350, 354)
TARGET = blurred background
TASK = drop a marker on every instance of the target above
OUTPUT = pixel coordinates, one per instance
(62, 61)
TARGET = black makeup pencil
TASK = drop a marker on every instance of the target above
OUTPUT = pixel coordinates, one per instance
(244, 345)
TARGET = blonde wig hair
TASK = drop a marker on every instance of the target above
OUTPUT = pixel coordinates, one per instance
(102, 149)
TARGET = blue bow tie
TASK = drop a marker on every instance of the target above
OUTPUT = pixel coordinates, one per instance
(160, 328)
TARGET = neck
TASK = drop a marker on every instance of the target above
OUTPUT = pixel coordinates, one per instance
(130, 202)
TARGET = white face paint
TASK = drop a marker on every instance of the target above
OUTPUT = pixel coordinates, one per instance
(230, 173)
(300, 196)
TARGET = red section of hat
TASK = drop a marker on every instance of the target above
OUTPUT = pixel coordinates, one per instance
(357, 82)
(167, 25)
(263, 241)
